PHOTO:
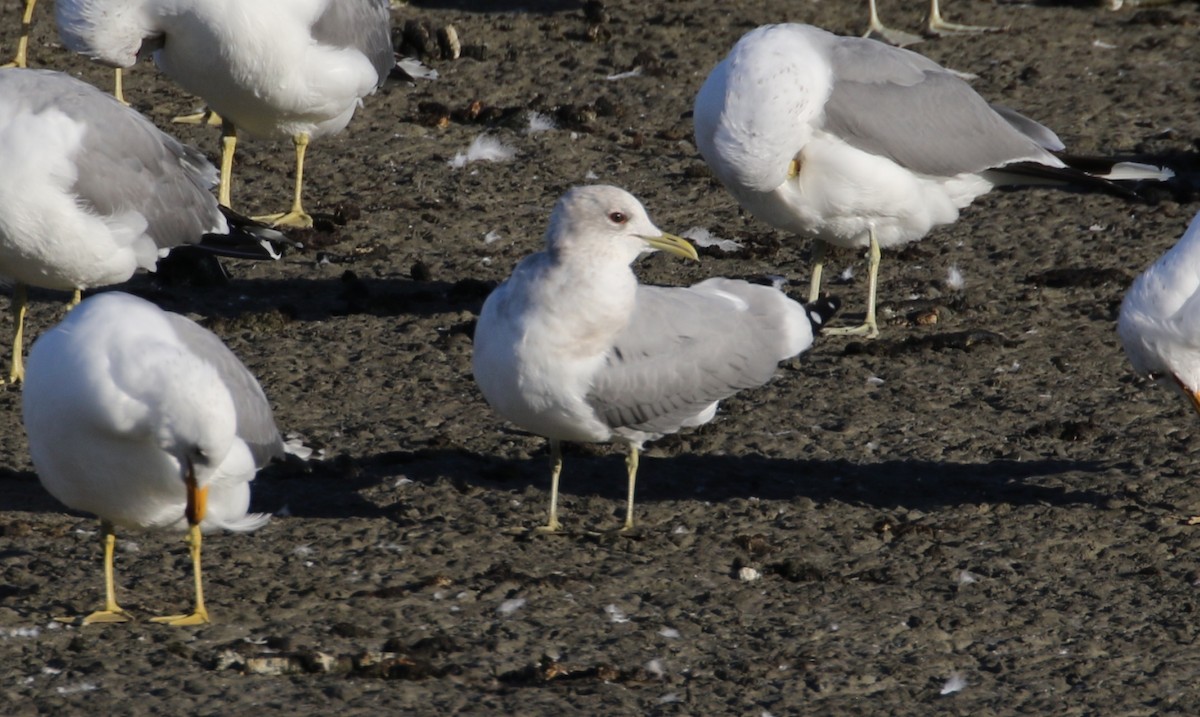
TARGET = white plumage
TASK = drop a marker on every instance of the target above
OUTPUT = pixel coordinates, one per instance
(275, 69)
(571, 347)
(146, 420)
(858, 144)
(1159, 323)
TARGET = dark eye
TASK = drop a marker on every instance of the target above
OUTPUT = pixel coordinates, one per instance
(618, 217)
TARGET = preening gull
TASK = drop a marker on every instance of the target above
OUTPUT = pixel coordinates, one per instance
(573, 348)
(855, 143)
(146, 420)
(92, 191)
(1159, 323)
(273, 69)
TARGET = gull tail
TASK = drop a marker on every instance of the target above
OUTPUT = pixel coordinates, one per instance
(247, 239)
(821, 311)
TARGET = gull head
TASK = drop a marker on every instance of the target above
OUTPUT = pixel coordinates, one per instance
(603, 223)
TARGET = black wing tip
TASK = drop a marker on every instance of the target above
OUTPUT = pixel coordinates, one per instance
(821, 311)
(247, 239)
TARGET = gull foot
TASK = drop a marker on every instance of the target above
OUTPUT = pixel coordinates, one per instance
(868, 331)
(293, 219)
(99, 617)
(205, 116)
(196, 618)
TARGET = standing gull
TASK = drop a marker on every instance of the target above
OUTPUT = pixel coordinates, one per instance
(858, 144)
(92, 192)
(1160, 318)
(573, 348)
(273, 68)
(146, 420)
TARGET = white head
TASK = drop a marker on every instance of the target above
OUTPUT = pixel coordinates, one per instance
(599, 223)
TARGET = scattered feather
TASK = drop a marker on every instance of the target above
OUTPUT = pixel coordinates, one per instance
(748, 574)
(484, 148)
(539, 122)
(615, 613)
(655, 667)
(954, 278)
(704, 238)
(670, 633)
(635, 72)
(966, 577)
(955, 683)
(510, 606)
(847, 274)
(492, 237)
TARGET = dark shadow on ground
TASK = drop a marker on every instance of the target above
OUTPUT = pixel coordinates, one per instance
(886, 484)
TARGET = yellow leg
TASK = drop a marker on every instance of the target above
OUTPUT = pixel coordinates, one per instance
(19, 302)
(197, 498)
(868, 328)
(112, 612)
(939, 26)
(296, 217)
(631, 465)
(119, 86)
(22, 57)
(814, 289)
(880, 31)
(199, 616)
(75, 299)
(228, 144)
(552, 525)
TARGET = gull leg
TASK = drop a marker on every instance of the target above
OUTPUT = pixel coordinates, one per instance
(296, 216)
(814, 289)
(552, 525)
(879, 31)
(939, 26)
(75, 299)
(204, 116)
(21, 59)
(19, 302)
(119, 86)
(868, 328)
(228, 144)
(197, 500)
(631, 465)
(112, 612)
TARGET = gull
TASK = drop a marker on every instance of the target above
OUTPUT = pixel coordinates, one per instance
(146, 420)
(274, 69)
(92, 192)
(859, 144)
(1159, 324)
(573, 348)
(937, 25)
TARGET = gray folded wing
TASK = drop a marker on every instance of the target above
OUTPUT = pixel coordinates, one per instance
(900, 105)
(683, 349)
(361, 24)
(124, 162)
(255, 420)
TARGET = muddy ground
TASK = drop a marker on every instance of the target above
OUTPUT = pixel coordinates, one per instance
(990, 501)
